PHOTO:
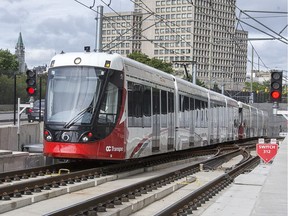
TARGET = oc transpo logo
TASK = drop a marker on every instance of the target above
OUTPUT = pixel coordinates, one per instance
(114, 149)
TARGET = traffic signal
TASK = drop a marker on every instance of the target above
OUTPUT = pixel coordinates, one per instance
(31, 82)
(276, 86)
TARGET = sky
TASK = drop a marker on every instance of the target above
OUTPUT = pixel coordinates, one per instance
(50, 26)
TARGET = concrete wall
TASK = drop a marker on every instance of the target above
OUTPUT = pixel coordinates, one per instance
(10, 161)
(30, 133)
(274, 121)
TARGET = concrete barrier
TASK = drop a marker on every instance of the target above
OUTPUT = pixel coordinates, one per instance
(30, 133)
(11, 161)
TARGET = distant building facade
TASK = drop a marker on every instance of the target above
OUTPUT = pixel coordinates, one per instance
(185, 32)
(20, 53)
(121, 34)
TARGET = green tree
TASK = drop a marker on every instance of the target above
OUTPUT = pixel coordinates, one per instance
(160, 65)
(8, 63)
(6, 90)
(156, 63)
(257, 87)
(198, 82)
(140, 57)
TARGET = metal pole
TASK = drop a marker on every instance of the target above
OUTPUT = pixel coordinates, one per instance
(18, 119)
(194, 66)
(18, 125)
(222, 86)
(24, 106)
(210, 55)
(40, 93)
(251, 80)
(99, 24)
(15, 99)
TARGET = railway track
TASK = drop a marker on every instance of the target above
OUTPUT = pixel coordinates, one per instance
(195, 199)
(117, 197)
(35, 179)
(47, 183)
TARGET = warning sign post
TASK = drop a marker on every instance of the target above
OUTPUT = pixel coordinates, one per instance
(266, 151)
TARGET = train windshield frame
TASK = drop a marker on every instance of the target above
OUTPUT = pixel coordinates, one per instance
(76, 94)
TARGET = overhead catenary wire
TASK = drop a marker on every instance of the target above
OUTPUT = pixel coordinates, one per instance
(105, 17)
(262, 24)
(150, 40)
(108, 20)
(168, 23)
(264, 65)
(264, 32)
(162, 18)
(261, 31)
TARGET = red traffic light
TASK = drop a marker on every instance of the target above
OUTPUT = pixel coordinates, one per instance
(31, 82)
(276, 86)
(31, 91)
(275, 94)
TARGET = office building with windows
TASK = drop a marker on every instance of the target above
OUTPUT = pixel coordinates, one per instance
(189, 32)
(121, 34)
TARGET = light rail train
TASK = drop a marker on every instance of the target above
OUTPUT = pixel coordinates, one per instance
(108, 107)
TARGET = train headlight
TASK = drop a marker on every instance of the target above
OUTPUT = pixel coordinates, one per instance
(47, 135)
(87, 137)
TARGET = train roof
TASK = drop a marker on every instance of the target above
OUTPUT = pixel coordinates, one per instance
(147, 69)
(88, 59)
(201, 91)
(117, 62)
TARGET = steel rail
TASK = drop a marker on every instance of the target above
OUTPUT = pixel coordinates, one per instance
(99, 202)
(193, 200)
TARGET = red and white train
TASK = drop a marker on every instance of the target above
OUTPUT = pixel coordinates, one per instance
(108, 107)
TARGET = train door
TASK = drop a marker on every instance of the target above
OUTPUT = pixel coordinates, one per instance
(241, 124)
(209, 119)
(171, 122)
(192, 123)
(156, 120)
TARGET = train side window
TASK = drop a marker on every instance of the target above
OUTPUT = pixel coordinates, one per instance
(170, 102)
(135, 108)
(156, 101)
(192, 104)
(147, 106)
(204, 104)
(197, 104)
(164, 109)
(186, 111)
(186, 104)
(108, 109)
(130, 99)
(181, 112)
(180, 103)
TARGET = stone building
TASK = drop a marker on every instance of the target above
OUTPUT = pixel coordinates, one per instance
(20, 53)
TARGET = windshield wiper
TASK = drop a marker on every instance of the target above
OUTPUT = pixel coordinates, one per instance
(78, 116)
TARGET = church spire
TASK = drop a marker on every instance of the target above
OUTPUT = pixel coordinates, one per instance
(20, 43)
(20, 53)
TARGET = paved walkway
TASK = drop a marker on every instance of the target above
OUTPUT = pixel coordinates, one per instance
(262, 192)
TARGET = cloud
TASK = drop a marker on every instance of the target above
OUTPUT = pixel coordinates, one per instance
(272, 52)
(39, 57)
(48, 27)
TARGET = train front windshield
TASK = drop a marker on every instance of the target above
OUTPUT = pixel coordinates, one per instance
(76, 93)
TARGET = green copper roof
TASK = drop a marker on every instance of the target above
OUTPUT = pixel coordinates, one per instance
(20, 41)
